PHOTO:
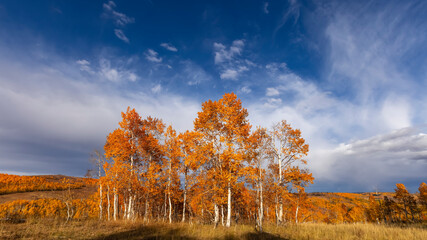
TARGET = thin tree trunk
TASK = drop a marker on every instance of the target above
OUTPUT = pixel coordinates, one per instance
(277, 209)
(146, 210)
(115, 205)
(222, 215)
(125, 209)
(261, 208)
(108, 202)
(216, 220)
(296, 214)
(280, 214)
(130, 207)
(169, 191)
(100, 185)
(229, 206)
(165, 204)
(100, 201)
(170, 209)
(185, 195)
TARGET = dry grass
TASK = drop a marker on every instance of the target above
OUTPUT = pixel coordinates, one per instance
(56, 229)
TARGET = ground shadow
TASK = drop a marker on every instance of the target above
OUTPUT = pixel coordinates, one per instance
(146, 232)
(263, 235)
(157, 232)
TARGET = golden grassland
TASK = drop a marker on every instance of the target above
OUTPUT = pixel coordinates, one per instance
(92, 229)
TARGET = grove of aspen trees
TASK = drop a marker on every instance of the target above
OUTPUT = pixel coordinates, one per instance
(225, 171)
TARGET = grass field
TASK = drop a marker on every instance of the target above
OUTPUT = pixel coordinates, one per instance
(55, 229)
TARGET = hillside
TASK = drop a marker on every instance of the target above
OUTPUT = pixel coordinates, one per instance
(14, 187)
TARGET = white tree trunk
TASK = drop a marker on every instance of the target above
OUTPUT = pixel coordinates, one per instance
(125, 208)
(100, 201)
(130, 207)
(169, 190)
(108, 202)
(170, 209)
(216, 220)
(115, 205)
(185, 196)
(229, 206)
(261, 208)
(280, 213)
(296, 214)
(222, 215)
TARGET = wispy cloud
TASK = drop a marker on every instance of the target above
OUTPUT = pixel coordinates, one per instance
(292, 12)
(193, 74)
(157, 88)
(169, 47)
(153, 56)
(374, 52)
(265, 8)
(119, 33)
(120, 19)
(85, 66)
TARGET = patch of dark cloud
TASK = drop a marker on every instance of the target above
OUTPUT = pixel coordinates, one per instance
(383, 160)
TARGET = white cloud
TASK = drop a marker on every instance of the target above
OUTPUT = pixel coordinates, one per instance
(169, 47)
(133, 77)
(229, 60)
(153, 56)
(229, 74)
(245, 90)
(119, 33)
(233, 74)
(222, 54)
(270, 92)
(120, 19)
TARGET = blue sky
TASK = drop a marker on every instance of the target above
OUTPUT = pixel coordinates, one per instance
(352, 75)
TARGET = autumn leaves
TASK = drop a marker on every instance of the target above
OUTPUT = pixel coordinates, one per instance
(155, 172)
